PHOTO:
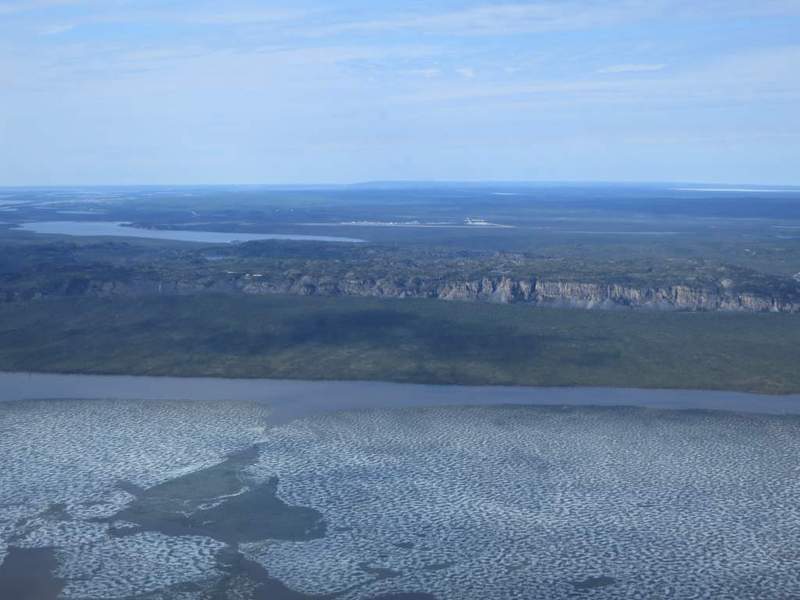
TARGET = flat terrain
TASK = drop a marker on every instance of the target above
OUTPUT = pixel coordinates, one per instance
(722, 261)
(426, 341)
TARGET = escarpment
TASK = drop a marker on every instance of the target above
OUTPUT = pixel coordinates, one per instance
(500, 289)
(398, 272)
(543, 292)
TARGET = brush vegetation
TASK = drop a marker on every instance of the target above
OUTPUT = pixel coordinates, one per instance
(425, 341)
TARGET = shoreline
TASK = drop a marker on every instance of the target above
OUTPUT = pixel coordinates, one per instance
(296, 397)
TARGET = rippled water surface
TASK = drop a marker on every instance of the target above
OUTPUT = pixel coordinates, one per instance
(264, 495)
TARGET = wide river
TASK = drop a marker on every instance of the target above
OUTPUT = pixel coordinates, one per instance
(143, 487)
(291, 398)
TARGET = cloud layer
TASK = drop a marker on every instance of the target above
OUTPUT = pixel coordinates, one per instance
(147, 91)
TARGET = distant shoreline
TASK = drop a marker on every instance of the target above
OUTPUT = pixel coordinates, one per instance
(294, 398)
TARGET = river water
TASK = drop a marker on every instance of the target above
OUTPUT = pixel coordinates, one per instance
(172, 488)
(294, 398)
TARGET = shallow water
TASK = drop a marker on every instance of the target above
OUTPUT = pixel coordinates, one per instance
(109, 228)
(27, 574)
(169, 488)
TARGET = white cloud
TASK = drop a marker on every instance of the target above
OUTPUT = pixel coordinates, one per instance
(632, 68)
(231, 17)
(466, 72)
(20, 6)
(558, 15)
(739, 8)
(502, 19)
(486, 19)
(96, 13)
(56, 29)
(428, 73)
(756, 76)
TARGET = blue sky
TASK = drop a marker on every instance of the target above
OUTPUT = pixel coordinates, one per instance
(189, 91)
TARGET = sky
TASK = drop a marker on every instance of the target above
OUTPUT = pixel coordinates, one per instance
(306, 91)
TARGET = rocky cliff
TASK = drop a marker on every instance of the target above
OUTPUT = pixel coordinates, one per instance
(507, 290)
(501, 289)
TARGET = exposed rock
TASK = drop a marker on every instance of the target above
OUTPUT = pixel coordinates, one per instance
(500, 289)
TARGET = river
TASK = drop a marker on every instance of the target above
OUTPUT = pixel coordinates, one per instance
(294, 398)
(131, 487)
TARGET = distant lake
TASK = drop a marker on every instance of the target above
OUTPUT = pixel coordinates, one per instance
(110, 228)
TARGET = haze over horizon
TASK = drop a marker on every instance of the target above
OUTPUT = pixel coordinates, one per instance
(159, 92)
(721, 186)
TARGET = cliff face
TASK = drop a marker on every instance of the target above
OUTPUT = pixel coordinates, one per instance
(497, 289)
(506, 290)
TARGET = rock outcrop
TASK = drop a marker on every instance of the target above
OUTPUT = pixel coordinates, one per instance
(500, 289)
(506, 290)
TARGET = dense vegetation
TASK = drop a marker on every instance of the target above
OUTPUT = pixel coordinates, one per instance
(34, 270)
(401, 340)
(118, 305)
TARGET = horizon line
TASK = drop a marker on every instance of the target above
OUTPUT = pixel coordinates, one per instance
(684, 185)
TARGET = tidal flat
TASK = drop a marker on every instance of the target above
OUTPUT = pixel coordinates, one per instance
(172, 499)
